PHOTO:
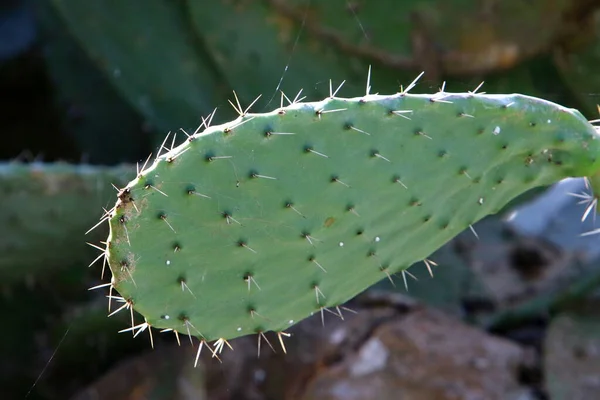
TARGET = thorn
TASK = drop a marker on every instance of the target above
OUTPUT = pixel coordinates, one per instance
(229, 218)
(173, 142)
(348, 309)
(421, 133)
(279, 336)
(477, 88)
(352, 209)
(198, 353)
(401, 113)
(175, 332)
(185, 286)
(312, 259)
(144, 166)
(164, 218)
(185, 133)
(230, 128)
(100, 286)
(331, 92)
(250, 279)
(291, 207)
(385, 271)
(397, 180)
(162, 145)
(110, 296)
(103, 254)
(473, 230)
(170, 159)
(287, 98)
(195, 193)
(298, 98)
(153, 187)
(412, 84)
(251, 104)
(244, 245)
(358, 130)
(334, 313)
(368, 89)
(126, 232)
(310, 150)
(404, 273)
(310, 238)
(212, 158)
(443, 88)
(187, 324)
(279, 133)
(237, 109)
(317, 293)
(205, 123)
(262, 176)
(335, 179)
(428, 264)
(376, 154)
(102, 220)
(140, 328)
(590, 233)
(319, 112)
(262, 335)
(439, 100)
(218, 346)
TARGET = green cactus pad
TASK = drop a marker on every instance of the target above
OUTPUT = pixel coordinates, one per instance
(254, 225)
(46, 208)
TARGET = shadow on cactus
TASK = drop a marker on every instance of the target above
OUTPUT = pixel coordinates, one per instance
(254, 225)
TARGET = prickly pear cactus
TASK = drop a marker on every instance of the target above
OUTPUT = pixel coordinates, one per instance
(254, 225)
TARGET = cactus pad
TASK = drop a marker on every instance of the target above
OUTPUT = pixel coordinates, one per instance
(254, 225)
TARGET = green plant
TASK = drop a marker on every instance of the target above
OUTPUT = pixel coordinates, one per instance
(253, 225)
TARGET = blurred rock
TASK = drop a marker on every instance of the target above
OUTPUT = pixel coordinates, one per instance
(164, 374)
(391, 348)
(572, 356)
